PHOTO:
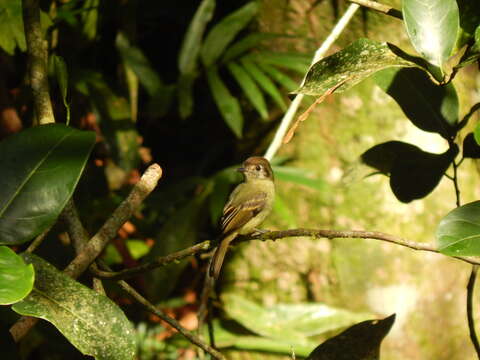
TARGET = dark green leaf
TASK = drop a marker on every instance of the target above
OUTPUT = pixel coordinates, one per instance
(278, 76)
(359, 342)
(245, 44)
(40, 170)
(471, 149)
(90, 321)
(185, 95)
(16, 277)
(349, 66)
(192, 41)
(250, 88)
(11, 26)
(296, 62)
(90, 18)
(223, 182)
(134, 58)
(264, 81)
(59, 68)
(225, 31)
(288, 322)
(228, 106)
(432, 26)
(179, 232)
(428, 106)
(413, 172)
(136, 248)
(458, 233)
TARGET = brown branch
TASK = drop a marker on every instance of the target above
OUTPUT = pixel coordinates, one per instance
(37, 62)
(471, 321)
(385, 9)
(172, 322)
(158, 262)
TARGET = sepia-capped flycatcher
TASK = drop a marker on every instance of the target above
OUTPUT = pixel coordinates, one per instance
(248, 205)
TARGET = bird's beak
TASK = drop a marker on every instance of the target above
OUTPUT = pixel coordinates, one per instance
(242, 170)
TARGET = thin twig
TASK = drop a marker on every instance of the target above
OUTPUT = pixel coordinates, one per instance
(172, 322)
(471, 321)
(294, 105)
(37, 55)
(160, 261)
(385, 9)
(455, 183)
(38, 240)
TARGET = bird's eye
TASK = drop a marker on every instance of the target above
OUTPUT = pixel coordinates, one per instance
(258, 168)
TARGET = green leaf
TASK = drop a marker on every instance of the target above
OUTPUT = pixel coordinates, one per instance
(283, 209)
(185, 95)
(301, 177)
(359, 342)
(225, 31)
(40, 170)
(296, 62)
(249, 87)
(222, 187)
(471, 149)
(136, 248)
(93, 323)
(350, 66)
(16, 277)
(192, 41)
(476, 133)
(288, 322)
(264, 81)
(228, 105)
(245, 44)
(432, 26)
(413, 172)
(11, 26)
(458, 233)
(90, 18)
(134, 58)
(278, 76)
(59, 69)
(428, 106)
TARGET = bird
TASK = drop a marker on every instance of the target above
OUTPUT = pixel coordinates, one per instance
(247, 207)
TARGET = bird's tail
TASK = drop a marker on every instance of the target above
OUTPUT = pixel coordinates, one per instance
(219, 255)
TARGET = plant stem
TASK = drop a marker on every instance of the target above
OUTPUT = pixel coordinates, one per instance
(471, 321)
(37, 55)
(385, 9)
(455, 183)
(294, 105)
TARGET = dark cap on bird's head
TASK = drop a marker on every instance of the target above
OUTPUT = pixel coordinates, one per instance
(256, 167)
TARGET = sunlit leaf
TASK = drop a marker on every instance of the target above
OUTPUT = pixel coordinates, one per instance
(288, 322)
(90, 321)
(16, 277)
(263, 81)
(349, 66)
(432, 26)
(11, 26)
(430, 107)
(458, 233)
(225, 31)
(228, 105)
(40, 170)
(192, 41)
(250, 88)
(359, 342)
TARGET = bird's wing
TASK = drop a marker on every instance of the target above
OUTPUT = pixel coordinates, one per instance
(238, 213)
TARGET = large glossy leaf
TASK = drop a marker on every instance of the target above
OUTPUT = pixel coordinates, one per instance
(359, 342)
(458, 233)
(16, 277)
(288, 322)
(40, 169)
(432, 26)
(225, 31)
(349, 66)
(192, 42)
(430, 107)
(11, 26)
(414, 173)
(90, 321)
(263, 81)
(228, 105)
(249, 87)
